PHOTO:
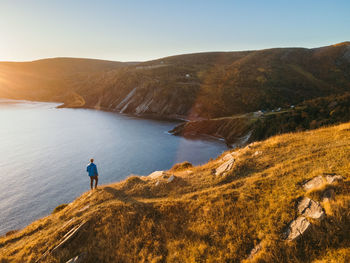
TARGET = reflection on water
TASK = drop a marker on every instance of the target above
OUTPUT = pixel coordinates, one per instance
(44, 152)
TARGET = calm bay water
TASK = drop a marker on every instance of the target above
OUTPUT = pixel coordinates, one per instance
(44, 152)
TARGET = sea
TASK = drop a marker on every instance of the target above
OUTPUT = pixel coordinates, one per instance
(44, 151)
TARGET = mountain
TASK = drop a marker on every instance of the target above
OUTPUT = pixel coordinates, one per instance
(286, 199)
(49, 79)
(192, 86)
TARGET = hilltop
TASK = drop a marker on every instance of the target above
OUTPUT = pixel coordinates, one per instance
(49, 79)
(190, 86)
(285, 199)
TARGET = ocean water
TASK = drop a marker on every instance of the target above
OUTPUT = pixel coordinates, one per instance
(44, 152)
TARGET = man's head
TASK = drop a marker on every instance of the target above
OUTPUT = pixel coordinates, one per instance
(91, 160)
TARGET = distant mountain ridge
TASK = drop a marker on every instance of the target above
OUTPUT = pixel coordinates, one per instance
(191, 86)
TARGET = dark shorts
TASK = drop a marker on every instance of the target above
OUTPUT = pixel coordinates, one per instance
(94, 177)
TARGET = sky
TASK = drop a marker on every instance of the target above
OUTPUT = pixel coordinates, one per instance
(139, 30)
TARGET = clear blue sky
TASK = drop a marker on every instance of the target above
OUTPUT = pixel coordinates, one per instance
(136, 30)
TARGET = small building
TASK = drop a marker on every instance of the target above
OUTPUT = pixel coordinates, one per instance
(258, 113)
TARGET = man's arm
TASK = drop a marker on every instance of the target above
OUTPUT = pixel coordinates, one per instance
(96, 173)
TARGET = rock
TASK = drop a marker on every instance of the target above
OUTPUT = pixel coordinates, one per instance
(257, 153)
(333, 178)
(255, 250)
(310, 208)
(78, 259)
(297, 228)
(314, 183)
(227, 157)
(226, 166)
(157, 183)
(171, 178)
(156, 174)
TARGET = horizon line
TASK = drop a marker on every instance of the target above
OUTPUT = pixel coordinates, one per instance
(173, 55)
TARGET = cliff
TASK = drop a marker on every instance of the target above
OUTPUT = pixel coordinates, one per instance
(286, 199)
(241, 129)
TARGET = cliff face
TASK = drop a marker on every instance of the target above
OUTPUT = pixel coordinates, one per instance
(236, 131)
(221, 84)
(245, 128)
(286, 199)
(193, 86)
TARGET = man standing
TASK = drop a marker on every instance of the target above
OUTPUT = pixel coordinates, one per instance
(92, 170)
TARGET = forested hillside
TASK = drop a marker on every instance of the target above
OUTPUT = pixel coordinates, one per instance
(192, 86)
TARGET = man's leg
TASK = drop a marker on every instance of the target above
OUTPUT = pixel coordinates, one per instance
(96, 181)
(91, 182)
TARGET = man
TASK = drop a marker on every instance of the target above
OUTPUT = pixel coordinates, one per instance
(92, 170)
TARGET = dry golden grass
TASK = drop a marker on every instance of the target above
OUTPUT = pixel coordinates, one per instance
(201, 217)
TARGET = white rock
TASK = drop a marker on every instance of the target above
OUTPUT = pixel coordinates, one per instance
(226, 166)
(257, 153)
(314, 183)
(227, 157)
(310, 208)
(157, 183)
(297, 228)
(171, 178)
(156, 174)
(333, 178)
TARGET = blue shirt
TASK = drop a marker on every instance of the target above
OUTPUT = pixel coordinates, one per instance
(92, 169)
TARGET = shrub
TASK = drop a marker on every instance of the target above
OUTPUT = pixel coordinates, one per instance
(59, 208)
(181, 166)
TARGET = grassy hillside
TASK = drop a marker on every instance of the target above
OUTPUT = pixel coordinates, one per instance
(49, 79)
(244, 128)
(220, 84)
(202, 85)
(218, 212)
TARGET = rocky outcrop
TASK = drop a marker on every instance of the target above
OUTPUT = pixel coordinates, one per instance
(310, 208)
(297, 228)
(225, 167)
(123, 105)
(319, 181)
(156, 174)
(228, 162)
(314, 183)
(333, 178)
(307, 208)
(235, 130)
